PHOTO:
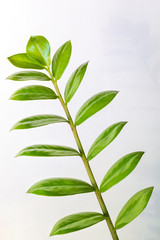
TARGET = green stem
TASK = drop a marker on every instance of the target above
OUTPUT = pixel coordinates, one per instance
(84, 159)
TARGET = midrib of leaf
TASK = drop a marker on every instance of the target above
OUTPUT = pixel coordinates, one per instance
(58, 67)
(81, 221)
(39, 51)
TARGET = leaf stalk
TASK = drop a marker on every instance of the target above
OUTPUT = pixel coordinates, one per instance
(84, 159)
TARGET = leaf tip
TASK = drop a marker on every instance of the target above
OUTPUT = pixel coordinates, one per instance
(29, 190)
(51, 234)
(11, 129)
(18, 154)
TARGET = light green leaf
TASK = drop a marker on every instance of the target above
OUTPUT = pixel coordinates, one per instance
(33, 92)
(133, 207)
(37, 121)
(22, 60)
(61, 59)
(38, 48)
(104, 139)
(48, 151)
(76, 222)
(93, 105)
(60, 187)
(29, 75)
(74, 82)
(121, 169)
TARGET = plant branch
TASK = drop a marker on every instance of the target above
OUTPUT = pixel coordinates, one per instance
(84, 159)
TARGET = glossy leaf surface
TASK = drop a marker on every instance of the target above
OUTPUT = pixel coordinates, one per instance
(104, 139)
(121, 169)
(29, 75)
(60, 187)
(133, 207)
(38, 48)
(48, 151)
(37, 121)
(74, 82)
(22, 60)
(93, 105)
(76, 222)
(61, 59)
(33, 92)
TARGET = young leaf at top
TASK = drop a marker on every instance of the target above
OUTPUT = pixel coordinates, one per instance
(133, 207)
(104, 139)
(37, 121)
(22, 60)
(121, 169)
(93, 105)
(61, 59)
(76, 222)
(74, 82)
(29, 75)
(38, 48)
(48, 151)
(33, 92)
(60, 187)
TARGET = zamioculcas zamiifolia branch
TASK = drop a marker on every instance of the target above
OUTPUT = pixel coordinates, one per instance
(37, 57)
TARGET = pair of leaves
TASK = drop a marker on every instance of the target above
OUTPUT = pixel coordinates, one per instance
(75, 222)
(37, 54)
(129, 212)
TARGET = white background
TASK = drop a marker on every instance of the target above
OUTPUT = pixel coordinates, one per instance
(122, 41)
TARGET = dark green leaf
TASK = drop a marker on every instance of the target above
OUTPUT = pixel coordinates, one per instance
(60, 187)
(37, 121)
(38, 48)
(33, 92)
(22, 60)
(61, 59)
(48, 151)
(121, 169)
(76, 222)
(133, 207)
(104, 139)
(74, 82)
(93, 105)
(29, 75)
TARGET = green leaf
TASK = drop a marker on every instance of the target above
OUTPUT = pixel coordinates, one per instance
(22, 60)
(121, 169)
(104, 139)
(61, 59)
(37, 121)
(33, 92)
(38, 48)
(133, 207)
(76, 222)
(74, 82)
(29, 75)
(93, 105)
(60, 187)
(48, 151)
